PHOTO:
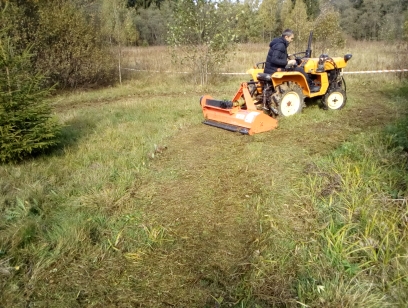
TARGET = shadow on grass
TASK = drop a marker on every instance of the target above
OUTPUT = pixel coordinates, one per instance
(76, 129)
(314, 101)
(73, 131)
(398, 94)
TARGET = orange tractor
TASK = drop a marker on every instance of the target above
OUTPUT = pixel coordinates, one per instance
(258, 102)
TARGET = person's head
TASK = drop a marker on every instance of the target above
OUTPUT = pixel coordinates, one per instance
(288, 35)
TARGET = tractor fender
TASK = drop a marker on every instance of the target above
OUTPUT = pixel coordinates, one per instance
(279, 78)
(254, 72)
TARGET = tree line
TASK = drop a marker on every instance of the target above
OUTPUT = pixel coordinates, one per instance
(71, 40)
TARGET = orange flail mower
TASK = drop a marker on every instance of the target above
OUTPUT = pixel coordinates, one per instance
(238, 115)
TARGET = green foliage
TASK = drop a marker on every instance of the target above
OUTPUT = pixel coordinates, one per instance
(296, 19)
(64, 40)
(152, 24)
(26, 125)
(118, 23)
(20, 19)
(327, 32)
(399, 134)
(249, 21)
(201, 35)
(269, 15)
(143, 4)
(312, 7)
(71, 51)
(119, 26)
(372, 19)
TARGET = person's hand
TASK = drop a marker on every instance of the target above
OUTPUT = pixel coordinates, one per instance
(291, 63)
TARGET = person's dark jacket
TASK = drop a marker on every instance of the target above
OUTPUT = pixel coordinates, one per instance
(277, 55)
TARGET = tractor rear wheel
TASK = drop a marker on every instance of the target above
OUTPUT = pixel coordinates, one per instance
(335, 99)
(289, 99)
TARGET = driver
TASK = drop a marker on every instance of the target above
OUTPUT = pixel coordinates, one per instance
(277, 58)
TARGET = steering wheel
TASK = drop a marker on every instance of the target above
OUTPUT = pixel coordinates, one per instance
(296, 55)
(260, 65)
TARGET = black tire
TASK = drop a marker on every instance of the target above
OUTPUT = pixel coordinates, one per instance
(252, 88)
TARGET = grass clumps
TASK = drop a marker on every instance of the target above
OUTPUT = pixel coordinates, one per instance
(358, 257)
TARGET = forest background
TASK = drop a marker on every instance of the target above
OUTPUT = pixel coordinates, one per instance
(80, 43)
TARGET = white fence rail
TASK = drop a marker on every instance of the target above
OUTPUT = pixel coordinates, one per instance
(358, 72)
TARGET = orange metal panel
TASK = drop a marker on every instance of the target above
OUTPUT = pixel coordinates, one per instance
(255, 121)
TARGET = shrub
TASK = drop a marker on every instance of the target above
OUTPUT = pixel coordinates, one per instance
(69, 47)
(65, 40)
(200, 36)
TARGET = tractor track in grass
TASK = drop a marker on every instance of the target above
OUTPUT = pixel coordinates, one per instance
(200, 193)
(200, 203)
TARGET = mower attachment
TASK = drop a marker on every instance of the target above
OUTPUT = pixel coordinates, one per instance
(235, 115)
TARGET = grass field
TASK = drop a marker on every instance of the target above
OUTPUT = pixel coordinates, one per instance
(143, 206)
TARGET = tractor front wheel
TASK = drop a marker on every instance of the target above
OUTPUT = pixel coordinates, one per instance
(335, 99)
(289, 99)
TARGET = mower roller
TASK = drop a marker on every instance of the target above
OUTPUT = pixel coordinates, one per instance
(258, 102)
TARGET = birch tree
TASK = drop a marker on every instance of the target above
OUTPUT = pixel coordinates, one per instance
(119, 26)
(201, 35)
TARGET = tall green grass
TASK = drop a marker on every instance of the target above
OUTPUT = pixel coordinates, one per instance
(72, 204)
(359, 196)
(340, 239)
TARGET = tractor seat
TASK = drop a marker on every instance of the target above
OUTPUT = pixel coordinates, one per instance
(264, 77)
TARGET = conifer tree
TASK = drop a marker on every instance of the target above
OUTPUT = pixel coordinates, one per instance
(26, 123)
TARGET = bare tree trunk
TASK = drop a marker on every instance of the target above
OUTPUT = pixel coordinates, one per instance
(120, 63)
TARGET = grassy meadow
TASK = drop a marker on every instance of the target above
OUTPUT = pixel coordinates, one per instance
(141, 205)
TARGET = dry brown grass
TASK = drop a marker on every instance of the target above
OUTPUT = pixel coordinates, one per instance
(366, 56)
